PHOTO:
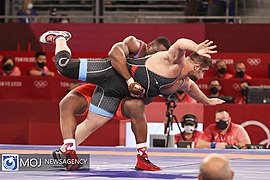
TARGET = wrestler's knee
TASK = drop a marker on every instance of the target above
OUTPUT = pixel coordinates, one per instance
(65, 66)
(67, 106)
(134, 107)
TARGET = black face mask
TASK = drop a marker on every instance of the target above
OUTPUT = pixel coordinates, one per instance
(222, 70)
(240, 74)
(214, 90)
(8, 67)
(222, 124)
(244, 92)
(41, 64)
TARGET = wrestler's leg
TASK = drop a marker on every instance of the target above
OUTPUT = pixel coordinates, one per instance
(61, 45)
(73, 103)
(89, 125)
(134, 108)
(102, 108)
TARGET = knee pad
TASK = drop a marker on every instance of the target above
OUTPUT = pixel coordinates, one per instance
(66, 66)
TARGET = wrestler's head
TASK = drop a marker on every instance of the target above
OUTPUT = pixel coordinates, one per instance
(158, 44)
(200, 65)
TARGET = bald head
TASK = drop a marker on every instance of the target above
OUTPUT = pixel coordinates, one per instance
(215, 167)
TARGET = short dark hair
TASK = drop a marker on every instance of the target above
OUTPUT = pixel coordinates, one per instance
(164, 41)
(40, 53)
(202, 60)
(219, 61)
(222, 110)
(7, 58)
(215, 80)
(237, 64)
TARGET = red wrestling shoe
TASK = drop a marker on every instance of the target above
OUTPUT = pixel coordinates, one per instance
(73, 162)
(49, 37)
(143, 164)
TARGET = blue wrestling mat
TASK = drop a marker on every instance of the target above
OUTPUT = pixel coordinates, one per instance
(118, 163)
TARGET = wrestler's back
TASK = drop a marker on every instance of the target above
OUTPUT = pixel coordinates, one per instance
(161, 64)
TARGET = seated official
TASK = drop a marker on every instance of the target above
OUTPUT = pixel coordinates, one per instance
(189, 122)
(223, 133)
(40, 68)
(9, 67)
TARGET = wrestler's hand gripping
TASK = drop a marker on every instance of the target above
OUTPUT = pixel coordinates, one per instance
(136, 90)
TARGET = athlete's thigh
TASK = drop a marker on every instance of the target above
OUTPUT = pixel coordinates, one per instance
(104, 104)
(131, 107)
(83, 95)
(74, 102)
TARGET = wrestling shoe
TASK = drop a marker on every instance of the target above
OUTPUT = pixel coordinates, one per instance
(72, 161)
(143, 164)
(49, 37)
(59, 155)
(70, 157)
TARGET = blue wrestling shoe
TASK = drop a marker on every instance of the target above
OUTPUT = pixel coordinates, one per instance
(49, 37)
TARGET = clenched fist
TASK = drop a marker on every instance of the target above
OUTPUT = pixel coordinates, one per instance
(136, 90)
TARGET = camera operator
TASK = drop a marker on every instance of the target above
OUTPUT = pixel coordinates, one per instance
(189, 122)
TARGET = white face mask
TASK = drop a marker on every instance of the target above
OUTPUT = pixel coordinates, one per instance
(189, 129)
(30, 5)
(64, 21)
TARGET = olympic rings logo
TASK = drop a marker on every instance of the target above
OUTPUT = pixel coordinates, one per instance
(254, 61)
(260, 125)
(40, 84)
(236, 86)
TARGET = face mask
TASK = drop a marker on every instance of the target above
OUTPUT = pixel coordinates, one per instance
(41, 64)
(222, 124)
(189, 129)
(222, 70)
(30, 5)
(214, 90)
(244, 92)
(64, 21)
(8, 67)
(240, 74)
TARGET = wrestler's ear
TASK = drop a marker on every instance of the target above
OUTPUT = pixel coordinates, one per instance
(196, 67)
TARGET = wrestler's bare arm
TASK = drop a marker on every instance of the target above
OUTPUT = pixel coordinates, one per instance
(120, 51)
(191, 88)
(178, 49)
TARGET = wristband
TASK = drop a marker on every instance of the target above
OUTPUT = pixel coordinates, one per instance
(213, 145)
(129, 81)
(43, 73)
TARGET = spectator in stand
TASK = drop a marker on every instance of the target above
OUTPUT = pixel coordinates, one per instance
(240, 71)
(223, 133)
(189, 122)
(215, 88)
(221, 69)
(27, 10)
(9, 68)
(182, 97)
(64, 19)
(243, 89)
(215, 166)
(40, 69)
